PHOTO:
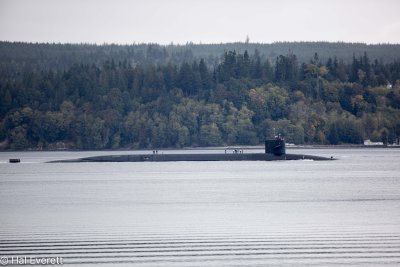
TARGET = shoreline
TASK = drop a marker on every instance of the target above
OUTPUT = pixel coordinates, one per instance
(257, 147)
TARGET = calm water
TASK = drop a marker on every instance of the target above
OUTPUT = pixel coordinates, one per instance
(344, 212)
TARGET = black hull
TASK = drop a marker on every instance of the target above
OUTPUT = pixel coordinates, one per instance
(194, 157)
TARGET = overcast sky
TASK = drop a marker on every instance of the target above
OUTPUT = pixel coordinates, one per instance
(206, 21)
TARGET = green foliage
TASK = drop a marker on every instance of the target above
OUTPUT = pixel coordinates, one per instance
(210, 135)
(147, 96)
(345, 130)
(286, 68)
(18, 138)
(293, 133)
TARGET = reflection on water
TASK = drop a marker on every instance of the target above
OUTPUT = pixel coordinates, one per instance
(344, 212)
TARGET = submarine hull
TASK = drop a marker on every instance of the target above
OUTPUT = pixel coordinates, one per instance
(195, 157)
(274, 150)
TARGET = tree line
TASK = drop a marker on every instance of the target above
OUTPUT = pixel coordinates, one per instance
(16, 56)
(239, 100)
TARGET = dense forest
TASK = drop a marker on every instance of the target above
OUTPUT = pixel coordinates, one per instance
(16, 56)
(84, 96)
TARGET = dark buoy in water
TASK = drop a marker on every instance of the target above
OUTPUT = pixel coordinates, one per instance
(14, 160)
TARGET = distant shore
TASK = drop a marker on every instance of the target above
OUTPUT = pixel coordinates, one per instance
(257, 147)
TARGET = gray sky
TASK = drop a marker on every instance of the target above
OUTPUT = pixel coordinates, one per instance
(206, 21)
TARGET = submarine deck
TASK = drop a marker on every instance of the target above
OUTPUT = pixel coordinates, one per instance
(194, 157)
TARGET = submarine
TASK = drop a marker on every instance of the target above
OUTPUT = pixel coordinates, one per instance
(275, 149)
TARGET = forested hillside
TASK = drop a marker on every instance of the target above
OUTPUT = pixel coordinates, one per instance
(151, 96)
(62, 56)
